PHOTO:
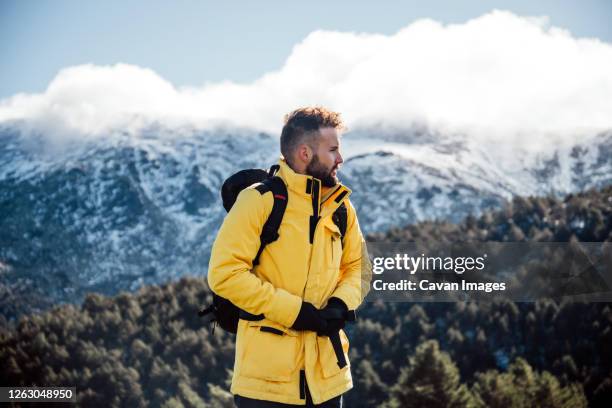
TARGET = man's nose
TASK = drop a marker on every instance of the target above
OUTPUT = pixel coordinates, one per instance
(339, 159)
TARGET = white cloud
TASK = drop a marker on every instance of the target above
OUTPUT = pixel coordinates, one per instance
(498, 76)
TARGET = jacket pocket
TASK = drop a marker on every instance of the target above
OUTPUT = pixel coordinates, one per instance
(327, 356)
(270, 351)
(335, 245)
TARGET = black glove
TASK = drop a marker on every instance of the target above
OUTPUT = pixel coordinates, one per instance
(309, 318)
(335, 313)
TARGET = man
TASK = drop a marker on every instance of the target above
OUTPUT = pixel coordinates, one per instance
(287, 358)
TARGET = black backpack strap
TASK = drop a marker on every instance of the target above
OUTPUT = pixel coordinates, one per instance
(340, 218)
(269, 232)
(273, 170)
(222, 312)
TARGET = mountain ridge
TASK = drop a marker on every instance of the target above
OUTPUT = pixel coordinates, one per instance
(115, 213)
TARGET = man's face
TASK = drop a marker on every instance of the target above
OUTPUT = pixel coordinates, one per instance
(326, 159)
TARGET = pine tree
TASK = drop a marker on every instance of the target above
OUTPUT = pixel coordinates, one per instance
(520, 386)
(431, 380)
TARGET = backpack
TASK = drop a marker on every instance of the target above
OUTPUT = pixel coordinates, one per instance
(222, 312)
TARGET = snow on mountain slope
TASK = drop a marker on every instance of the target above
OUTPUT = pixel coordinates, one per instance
(398, 183)
(114, 213)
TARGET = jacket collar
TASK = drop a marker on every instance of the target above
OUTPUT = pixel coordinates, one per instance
(294, 181)
(309, 187)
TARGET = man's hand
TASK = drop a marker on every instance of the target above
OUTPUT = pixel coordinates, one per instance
(309, 318)
(335, 314)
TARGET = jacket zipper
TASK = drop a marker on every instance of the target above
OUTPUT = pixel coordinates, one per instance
(314, 233)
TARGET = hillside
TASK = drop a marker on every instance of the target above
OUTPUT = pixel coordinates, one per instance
(150, 349)
(114, 213)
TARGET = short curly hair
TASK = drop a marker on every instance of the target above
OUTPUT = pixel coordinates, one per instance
(302, 126)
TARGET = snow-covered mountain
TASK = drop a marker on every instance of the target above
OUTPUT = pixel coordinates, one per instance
(115, 213)
(398, 182)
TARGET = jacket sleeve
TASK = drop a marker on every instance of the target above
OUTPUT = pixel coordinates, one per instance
(355, 265)
(231, 262)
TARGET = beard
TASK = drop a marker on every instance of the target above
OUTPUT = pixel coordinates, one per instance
(316, 169)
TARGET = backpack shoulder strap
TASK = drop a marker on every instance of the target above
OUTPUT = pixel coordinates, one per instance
(340, 218)
(269, 232)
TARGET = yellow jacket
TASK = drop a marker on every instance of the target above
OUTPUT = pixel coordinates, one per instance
(268, 362)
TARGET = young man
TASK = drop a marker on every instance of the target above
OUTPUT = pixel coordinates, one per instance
(287, 358)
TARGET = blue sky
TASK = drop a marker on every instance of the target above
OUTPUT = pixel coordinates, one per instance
(195, 42)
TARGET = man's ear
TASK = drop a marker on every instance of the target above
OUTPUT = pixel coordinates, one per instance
(304, 153)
